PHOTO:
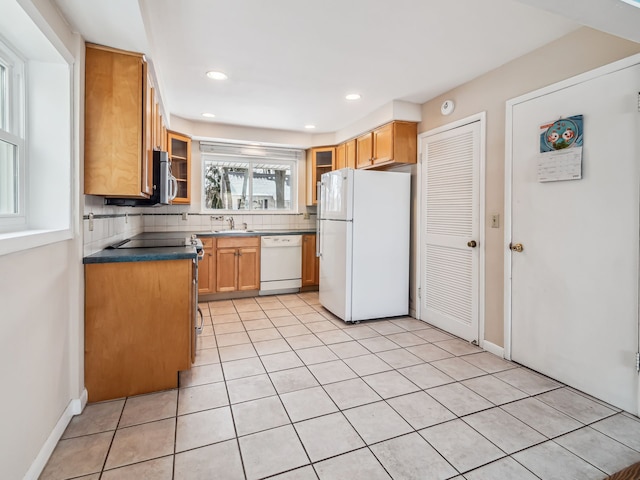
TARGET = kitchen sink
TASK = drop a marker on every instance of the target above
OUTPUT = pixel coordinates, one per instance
(234, 231)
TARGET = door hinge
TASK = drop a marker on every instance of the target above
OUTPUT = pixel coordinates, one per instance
(419, 292)
(638, 362)
(639, 101)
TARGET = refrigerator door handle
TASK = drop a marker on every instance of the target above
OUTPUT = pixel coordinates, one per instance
(318, 220)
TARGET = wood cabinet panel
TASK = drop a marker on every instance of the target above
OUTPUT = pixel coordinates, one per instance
(226, 269)
(248, 268)
(341, 159)
(179, 148)
(397, 143)
(138, 326)
(319, 160)
(310, 263)
(382, 144)
(237, 264)
(350, 153)
(207, 267)
(116, 115)
(364, 150)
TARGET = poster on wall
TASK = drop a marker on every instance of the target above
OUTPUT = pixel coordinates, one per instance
(560, 155)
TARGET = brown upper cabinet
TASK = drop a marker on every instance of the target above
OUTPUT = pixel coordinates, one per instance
(319, 160)
(395, 142)
(118, 156)
(346, 155)
(179, 146)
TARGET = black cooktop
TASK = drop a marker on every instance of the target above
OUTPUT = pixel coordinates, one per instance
(153, 243)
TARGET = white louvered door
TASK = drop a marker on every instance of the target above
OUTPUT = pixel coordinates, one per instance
(450, 226)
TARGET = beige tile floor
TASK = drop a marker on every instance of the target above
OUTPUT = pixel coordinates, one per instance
(282, 389)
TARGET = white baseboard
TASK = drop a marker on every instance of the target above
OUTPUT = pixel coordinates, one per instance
(75, 407)
(493, 348)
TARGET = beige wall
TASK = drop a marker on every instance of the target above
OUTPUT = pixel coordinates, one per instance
(578, 52)
(41, 319)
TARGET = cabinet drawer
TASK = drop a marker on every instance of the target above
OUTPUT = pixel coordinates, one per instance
(237, 242)
(207, 242)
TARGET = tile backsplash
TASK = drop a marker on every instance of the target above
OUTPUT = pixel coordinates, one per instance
(196, 222)
(112, 224)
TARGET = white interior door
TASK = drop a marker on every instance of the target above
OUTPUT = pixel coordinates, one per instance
(574, 286)
(451, 230)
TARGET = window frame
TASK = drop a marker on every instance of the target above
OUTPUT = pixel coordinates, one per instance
(252, 162)
(13, 128)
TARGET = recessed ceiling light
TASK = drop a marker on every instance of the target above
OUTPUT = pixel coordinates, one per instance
(310, 127)
(353, 96)
(217, 75)
(208, 115)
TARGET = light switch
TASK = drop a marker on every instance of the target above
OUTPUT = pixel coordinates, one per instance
(495, 220)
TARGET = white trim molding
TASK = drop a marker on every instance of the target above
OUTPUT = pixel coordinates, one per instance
(74, 407)
(493, 348)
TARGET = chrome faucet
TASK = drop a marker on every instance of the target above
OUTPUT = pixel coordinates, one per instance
(232, 224)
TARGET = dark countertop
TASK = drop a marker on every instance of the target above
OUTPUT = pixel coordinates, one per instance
(112, 255)
(256, 233)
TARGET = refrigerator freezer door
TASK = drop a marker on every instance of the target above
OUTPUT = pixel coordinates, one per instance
(336, 197)
(335, 267)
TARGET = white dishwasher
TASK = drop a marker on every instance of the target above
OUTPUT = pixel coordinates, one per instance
(280, 264)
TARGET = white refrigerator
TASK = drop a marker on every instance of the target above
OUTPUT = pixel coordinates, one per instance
(363, 243)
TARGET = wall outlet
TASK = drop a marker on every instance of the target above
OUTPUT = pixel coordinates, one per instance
(495, 220)
(91, 222)
(306, 216)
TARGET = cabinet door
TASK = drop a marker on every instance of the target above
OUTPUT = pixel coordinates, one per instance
(180, 156)
(309, 261)
(364, 150)
(383, 144)
(207, 267)
(114, 105)
(320, 160)
(226, 269)
(147, 128)
(341, 160)
(248, 268)
(350, 153)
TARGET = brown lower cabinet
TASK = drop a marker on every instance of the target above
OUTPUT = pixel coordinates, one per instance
(237, 264)
(310, 263)
(138, 326)
(207, 267)
(230, 264)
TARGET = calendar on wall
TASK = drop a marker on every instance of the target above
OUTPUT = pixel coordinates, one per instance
(560, 155)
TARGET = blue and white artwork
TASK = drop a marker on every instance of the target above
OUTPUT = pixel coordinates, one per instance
(563, 133)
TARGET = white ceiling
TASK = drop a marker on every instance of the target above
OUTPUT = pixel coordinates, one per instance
(291, 62)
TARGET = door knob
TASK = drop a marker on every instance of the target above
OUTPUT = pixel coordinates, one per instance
(517, 247)
(472, 244)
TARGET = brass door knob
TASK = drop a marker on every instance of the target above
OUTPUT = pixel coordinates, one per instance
(472, 244)
(517, 247)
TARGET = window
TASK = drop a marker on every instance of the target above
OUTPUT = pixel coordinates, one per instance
(11, 141)
(237, 178)
(37, 141)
